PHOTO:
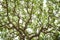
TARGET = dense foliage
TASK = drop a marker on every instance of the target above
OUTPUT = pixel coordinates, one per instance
(29, 19)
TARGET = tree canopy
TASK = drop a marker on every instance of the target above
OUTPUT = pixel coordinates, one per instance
(29, 19)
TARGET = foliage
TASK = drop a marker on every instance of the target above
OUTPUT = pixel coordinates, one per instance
(30, 19)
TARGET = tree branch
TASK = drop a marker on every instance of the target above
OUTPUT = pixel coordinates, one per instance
(37, 34)
(30, 15)
(9, 18)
